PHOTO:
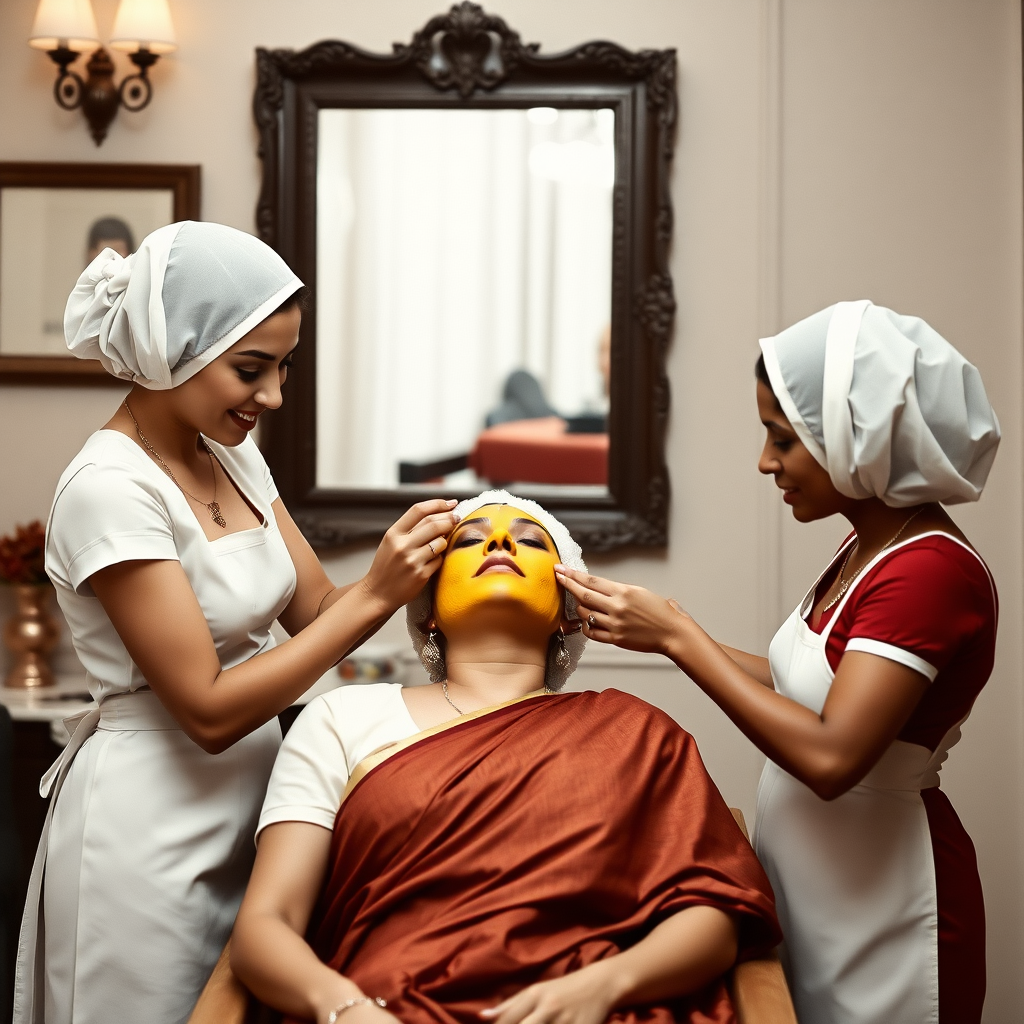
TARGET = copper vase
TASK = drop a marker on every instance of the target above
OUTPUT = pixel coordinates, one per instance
(30, 635)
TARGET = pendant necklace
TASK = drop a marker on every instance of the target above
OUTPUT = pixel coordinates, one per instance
(844, 585)
(213, 507)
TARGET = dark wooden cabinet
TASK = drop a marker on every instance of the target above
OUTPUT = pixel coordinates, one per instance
(34, 752)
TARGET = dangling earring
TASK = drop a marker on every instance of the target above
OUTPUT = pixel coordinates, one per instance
(561, 652)
(433, 659)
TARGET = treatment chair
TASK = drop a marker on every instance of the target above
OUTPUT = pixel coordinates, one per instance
(758, 988)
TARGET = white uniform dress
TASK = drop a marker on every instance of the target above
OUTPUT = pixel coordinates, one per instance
(149, 840)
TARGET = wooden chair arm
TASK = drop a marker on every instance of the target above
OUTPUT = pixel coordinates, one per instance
(737, 816)
(224, 1000)
(760, 994)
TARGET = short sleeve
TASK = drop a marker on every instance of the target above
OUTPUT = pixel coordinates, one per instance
(311, 771)
(103, 515)
(268, 479)
(271, 486)
(922, 606)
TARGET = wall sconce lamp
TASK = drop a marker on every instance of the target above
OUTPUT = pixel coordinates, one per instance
(67, 28)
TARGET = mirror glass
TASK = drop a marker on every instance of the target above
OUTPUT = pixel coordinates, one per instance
(464, 298)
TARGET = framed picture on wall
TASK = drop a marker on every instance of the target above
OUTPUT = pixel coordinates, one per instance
(54, 219)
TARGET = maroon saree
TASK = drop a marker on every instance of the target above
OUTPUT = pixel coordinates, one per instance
(525, 844)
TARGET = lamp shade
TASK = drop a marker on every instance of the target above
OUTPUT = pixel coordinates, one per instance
(143, 24)
(69, 23)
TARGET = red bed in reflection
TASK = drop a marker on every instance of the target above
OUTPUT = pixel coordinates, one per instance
(540, 451)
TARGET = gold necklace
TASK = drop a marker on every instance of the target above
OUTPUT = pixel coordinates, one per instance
(213, 507)
(844, 585)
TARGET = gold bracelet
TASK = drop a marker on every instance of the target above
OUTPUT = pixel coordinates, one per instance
(333, 1016)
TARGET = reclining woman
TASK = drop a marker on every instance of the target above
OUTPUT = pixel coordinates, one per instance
(486, 846)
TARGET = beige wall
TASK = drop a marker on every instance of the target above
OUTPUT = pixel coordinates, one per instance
(827, 149)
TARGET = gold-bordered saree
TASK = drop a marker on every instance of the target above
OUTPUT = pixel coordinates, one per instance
(522, 842)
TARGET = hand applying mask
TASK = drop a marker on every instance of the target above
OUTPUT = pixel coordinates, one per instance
(410, 554)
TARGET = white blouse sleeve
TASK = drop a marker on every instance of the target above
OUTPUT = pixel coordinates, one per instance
(103, 515)
(330, 737)
(311, 771)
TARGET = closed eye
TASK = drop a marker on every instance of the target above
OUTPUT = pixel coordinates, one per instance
(467, 540)
(533, 542)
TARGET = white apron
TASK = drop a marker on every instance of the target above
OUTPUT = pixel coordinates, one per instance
(153, 838)
(854, 878)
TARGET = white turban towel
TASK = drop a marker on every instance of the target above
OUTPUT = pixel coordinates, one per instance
(189, 292)
(417, 612)
(885, 404)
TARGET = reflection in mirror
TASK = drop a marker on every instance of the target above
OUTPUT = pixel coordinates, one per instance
(464, 297)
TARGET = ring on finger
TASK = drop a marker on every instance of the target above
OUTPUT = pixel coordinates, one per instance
(591, 620)
(430, 545)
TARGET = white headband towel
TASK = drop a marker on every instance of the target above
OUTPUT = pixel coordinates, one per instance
(885, 404)
(417, 611)
(189, 292)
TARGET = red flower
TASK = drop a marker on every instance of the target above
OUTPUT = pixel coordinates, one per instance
(21, 556)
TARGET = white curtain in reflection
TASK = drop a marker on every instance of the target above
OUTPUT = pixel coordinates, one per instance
(453, 247)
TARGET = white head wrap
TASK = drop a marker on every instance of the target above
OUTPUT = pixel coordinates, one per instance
(189, 292)
(885, 404)
(417, 611)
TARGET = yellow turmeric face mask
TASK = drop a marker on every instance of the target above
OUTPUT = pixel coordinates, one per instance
(499, 570)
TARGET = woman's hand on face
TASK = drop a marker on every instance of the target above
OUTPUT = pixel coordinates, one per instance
(629, 617)
(586, 996)
(410, 553)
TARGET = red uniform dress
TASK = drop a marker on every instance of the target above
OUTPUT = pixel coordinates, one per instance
(932, 605)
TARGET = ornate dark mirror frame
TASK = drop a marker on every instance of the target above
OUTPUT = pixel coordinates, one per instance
(467, 58)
